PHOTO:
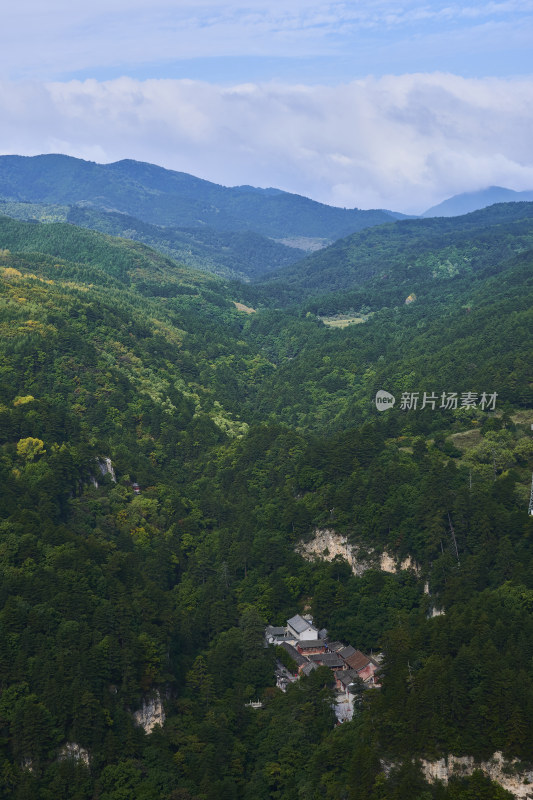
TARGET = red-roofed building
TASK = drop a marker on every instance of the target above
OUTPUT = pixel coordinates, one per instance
(365, 666)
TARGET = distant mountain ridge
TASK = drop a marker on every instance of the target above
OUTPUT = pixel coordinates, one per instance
(165, 197)
(473, 201)
(394, 260)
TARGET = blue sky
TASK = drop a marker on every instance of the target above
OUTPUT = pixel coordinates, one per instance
(378, 103)
(234, 41)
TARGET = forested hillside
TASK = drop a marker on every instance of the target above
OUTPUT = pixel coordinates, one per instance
(383, 265)
(164, 455)
(176, 199)
(241, 254)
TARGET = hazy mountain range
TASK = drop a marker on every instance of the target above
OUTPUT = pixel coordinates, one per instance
(164, 197)
(472, 201)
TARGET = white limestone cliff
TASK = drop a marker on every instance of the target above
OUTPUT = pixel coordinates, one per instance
(327, 544)
(497, 768)
(74, 751)
(151, 713)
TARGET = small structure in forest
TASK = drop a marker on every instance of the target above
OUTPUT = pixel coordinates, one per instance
(308, 648)
(301, 629)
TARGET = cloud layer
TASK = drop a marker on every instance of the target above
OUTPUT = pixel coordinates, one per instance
(60, 39)
(400, 142)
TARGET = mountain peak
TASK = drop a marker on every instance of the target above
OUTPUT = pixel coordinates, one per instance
(473, 201)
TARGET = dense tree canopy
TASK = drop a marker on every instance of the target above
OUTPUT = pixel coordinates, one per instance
(163, 454)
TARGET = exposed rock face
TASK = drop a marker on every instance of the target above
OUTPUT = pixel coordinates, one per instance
(151, 713)
(433, 610)
(74, 751)
(106, 468)
(327, 545)
(498, 769)
(388, 564)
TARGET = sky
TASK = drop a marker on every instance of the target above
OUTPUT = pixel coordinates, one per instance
(361, 104)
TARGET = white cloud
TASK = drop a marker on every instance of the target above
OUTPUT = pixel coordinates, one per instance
(402, 142)
(60, 38)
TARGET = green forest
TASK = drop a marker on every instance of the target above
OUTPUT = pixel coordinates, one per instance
(169, 438)
(165, 197)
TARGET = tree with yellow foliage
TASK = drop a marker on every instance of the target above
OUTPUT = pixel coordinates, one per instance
(30, 448)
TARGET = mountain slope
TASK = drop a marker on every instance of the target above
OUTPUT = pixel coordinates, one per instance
(241, 255)
(164, 197)
(472, 201)
(472, 333)
(311, 374)
(130, 305)
(392, 261)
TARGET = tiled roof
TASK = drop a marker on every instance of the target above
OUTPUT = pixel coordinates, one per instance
(335, 646)
(272, 630)
(331, 660)
(347, 676)
(294, 654)
(311, 644)
(358, 660)
(299, 624)
(346, 652)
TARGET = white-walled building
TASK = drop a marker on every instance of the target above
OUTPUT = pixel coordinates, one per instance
(301, 629)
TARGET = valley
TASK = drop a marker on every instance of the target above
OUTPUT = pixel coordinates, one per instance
(165, 327)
